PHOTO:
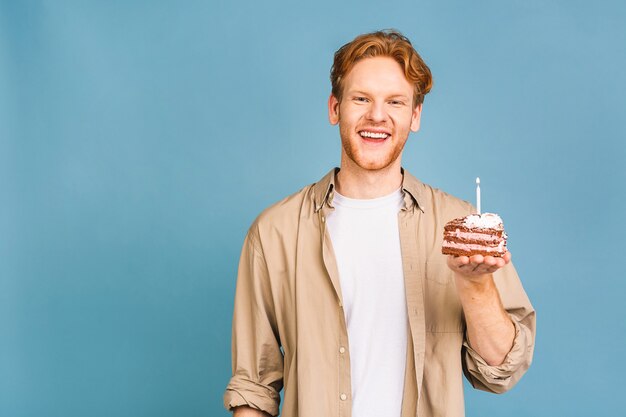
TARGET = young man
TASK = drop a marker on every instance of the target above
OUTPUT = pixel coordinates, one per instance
(343, 296)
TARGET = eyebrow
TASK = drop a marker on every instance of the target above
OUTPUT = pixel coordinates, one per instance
(359, 92)
(397, 94)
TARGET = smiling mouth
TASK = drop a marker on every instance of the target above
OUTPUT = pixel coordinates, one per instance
(373, 135)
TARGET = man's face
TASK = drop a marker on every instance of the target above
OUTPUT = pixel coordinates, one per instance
(375, 114)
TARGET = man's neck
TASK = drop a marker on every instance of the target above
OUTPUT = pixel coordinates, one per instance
(355, 182)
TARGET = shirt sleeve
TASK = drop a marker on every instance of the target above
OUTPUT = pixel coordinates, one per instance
(503, 377)
(257, 360)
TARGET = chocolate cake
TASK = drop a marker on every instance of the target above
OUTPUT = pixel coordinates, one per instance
(476, 234)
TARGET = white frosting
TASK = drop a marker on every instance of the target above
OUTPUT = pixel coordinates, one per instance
(483, 221)
(473, 236)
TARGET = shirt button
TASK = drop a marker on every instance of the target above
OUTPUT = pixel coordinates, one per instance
(342, 350)
(343, 397)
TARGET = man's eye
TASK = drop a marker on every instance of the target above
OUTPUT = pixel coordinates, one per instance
(360, 99)
(396, 103)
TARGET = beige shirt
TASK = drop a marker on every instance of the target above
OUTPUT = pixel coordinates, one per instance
(289, 327)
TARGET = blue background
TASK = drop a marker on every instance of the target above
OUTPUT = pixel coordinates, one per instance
(139, 140)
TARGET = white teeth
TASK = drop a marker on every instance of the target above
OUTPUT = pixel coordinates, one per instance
(374, 135)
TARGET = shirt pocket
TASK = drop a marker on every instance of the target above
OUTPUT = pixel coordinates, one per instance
(442, 308)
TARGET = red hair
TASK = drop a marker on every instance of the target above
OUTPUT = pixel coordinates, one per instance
(388, 43)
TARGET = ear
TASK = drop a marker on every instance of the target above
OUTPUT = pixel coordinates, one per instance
(333, 110)
(415, 118)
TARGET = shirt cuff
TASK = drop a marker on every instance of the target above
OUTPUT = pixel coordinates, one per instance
(516, 361)
(242, 391)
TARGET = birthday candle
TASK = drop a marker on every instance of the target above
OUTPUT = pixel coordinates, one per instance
(478, 194)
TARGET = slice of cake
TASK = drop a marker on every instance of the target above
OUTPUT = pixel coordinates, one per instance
(476, 234)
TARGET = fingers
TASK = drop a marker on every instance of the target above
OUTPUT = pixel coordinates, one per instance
(458, 261)
(477, 259)
(507, 257)
(478, 264)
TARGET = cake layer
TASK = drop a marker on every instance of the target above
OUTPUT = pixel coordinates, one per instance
(461, 252)
(453, 228)
(500, 247)
(475, 235)
(471, 237)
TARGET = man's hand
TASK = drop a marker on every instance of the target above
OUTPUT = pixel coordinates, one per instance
(490, 331)
(477, 266)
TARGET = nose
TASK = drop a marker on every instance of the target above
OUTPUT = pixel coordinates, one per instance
(377, 112)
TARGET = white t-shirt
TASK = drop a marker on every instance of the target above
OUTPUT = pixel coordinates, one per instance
(366, 241)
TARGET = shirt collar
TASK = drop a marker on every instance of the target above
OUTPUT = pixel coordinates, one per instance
(412, 188)
(323, 191)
